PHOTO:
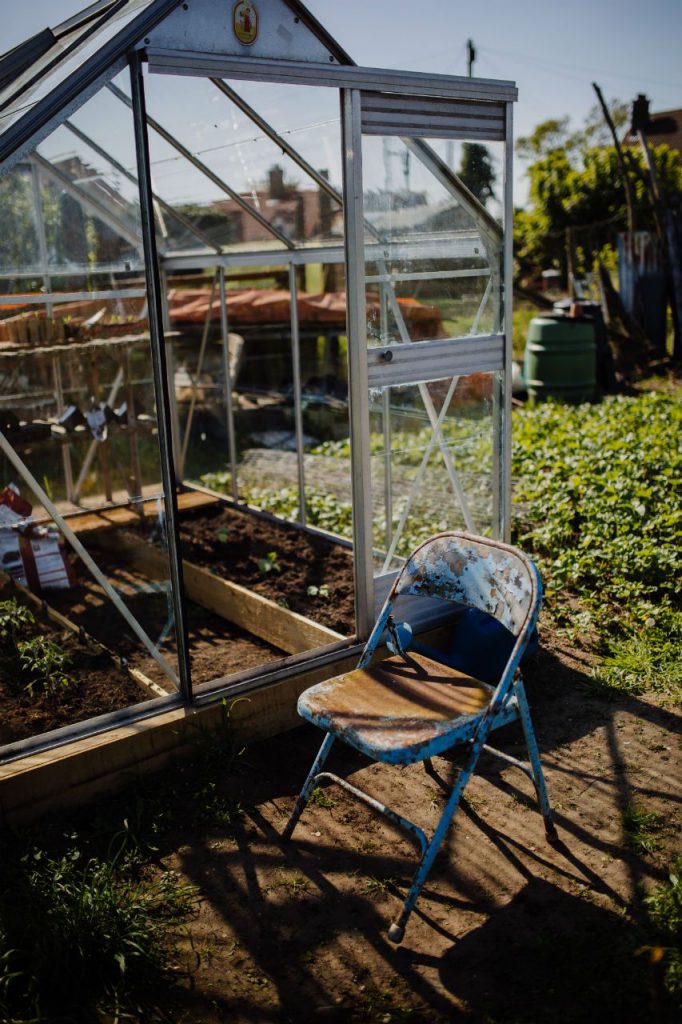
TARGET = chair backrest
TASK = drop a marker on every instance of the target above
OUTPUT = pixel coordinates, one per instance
(476, 572)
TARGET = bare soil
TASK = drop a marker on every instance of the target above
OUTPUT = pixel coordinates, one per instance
(99, 685)
(305, 560)
(508, 929)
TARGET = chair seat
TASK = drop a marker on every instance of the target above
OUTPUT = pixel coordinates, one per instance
(402, 710)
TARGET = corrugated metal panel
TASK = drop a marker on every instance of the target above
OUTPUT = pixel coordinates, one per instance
(423, 361)
(408, 83)
(423, 117)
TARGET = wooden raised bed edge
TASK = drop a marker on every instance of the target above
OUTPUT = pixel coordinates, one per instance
(77, 772)
(84, 769)
(291, 632)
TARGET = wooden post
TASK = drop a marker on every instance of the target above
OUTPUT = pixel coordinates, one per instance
(570, 272)
(672, 249)
(627, 184)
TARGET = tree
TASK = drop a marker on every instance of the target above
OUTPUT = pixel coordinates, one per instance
(555, 133)
(477, 172)
(576, 183)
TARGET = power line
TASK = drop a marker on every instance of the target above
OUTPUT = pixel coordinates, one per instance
(576, 67)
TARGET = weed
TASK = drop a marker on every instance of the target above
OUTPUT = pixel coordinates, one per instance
(665, 912)
(376, 888)
(295, 884)
(213, 809)
(320, 798)
(82, 936)
(45, 664)
(648, 660)
(269, 564)
(640, 828)
(223, 536)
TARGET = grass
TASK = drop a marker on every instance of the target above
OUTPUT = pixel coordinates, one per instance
(664, 907)
(82, 935)
(376, 888)
(641, 829)
(88, 919)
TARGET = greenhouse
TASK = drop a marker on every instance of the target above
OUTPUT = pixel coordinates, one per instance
(253, 348)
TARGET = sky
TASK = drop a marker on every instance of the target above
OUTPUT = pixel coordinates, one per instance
(552, 49)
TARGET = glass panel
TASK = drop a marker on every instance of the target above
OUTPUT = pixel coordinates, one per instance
(24, 92)
(427, 479)
(78, 411)
(432, 268)
(294, 569)
(226, 140)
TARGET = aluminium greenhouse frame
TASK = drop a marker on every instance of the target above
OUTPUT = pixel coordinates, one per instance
(411, 105)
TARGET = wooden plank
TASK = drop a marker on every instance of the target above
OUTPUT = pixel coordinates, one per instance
(106, 519)
(43, 608)
(258, 615)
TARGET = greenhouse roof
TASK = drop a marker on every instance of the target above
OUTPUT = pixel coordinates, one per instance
(64, 65)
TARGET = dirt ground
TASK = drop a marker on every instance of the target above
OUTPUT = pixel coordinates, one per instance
(508, 928)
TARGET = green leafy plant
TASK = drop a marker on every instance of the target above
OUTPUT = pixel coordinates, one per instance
(269, 563)
(322, 591)
(320, 798)
(45, 664)
(15, 619)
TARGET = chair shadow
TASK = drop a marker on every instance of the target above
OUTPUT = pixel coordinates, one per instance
(551, 956)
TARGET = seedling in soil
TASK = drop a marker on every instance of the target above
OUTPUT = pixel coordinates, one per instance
(269, 563)
(45, 663)
(15, 619)
(322, 592)
(222, 536)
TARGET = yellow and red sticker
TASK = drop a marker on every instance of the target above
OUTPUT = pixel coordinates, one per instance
(245, 21)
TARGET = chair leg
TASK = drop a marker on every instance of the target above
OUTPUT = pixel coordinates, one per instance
(397, 929)
(534, 758)
(308, 785)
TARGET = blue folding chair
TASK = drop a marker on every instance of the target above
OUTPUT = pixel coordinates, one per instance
(409, 707)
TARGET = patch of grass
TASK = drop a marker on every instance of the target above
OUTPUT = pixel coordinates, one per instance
(83, 936)
(665, 913)
(376, 888)
(647, 660)
(87, 919)
(641, 828)
(599, 487)
(295, 884)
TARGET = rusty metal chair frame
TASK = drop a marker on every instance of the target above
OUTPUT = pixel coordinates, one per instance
(477, 573)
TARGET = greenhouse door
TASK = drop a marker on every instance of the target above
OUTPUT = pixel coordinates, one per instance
(426, 315)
